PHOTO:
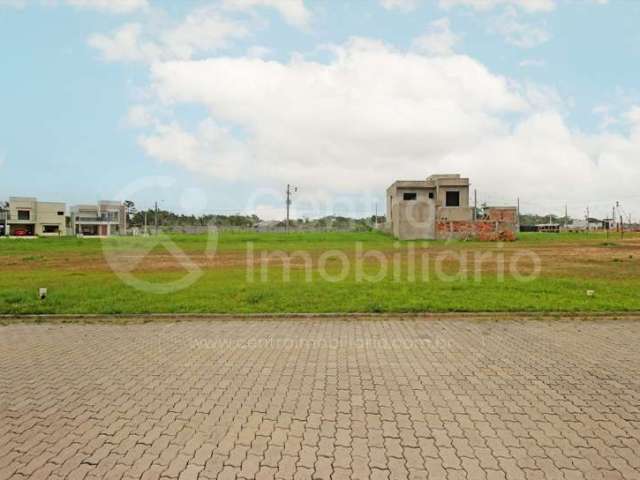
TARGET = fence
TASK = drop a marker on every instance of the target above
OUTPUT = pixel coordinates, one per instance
(203, 229)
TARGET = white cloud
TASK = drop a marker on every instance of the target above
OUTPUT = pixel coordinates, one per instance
(532, 62)
(308, 120)
(438, 39)
(139, 116)
(607, 118)
(633, 115)
(113, 6)
(633, 119)
(211, 149)
(402, 5)
(544, 162)
(203, 30)
(527, 5)
(517, 32)
(544, 97)
(123, 45)
(18, 4)
(327, 126)
(258, 51)
(480, 5)
(294, 11)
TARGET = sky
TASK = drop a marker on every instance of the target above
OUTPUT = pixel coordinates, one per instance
(215, 106)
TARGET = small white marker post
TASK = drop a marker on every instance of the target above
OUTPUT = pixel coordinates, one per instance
(42, 293)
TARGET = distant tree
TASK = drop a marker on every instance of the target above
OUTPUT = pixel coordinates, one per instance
(534, 219)
(130, 209)
(169, 219)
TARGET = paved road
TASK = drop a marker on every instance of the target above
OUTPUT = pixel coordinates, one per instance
(322, 399)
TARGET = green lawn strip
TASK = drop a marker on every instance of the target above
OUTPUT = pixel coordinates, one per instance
(571, 237)
(34, 250)
(230, 292)
(226, 289)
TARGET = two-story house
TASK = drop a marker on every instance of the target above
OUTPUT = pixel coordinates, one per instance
(103, 219)
(27, 217)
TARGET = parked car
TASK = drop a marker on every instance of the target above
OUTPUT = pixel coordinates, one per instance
(20, 232)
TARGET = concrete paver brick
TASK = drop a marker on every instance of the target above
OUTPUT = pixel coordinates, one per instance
(450, 399)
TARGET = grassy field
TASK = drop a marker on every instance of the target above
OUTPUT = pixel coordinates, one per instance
(249, 273)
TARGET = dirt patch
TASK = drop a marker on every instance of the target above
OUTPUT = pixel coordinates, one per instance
(620, 260)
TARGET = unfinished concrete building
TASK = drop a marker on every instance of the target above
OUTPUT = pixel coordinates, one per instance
(414, 207)
(438, 207)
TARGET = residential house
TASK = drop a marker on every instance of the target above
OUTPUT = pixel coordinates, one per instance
(104, 219)
(587, 224)
(27, 217)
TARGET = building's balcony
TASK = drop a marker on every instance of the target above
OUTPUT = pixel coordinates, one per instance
(7, 217)
(97, 219)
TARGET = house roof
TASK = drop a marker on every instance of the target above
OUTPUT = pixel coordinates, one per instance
(433, 181)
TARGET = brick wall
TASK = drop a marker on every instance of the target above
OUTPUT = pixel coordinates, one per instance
(480, 230)
(498, 214)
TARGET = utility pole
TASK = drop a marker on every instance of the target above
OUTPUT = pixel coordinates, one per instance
(475, 204)
(518, 210)
(146, 230)
(289, 195)
(288, 206)
(611, 223)
(376, 220)
(566, 216)
(156, 218)
(4, 214)
(588, 223)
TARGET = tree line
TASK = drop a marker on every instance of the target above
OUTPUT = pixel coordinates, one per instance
(167, 218)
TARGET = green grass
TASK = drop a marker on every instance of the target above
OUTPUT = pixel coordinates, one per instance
(225, 242)
(570, 237)
(228, 289)
(229, 292)
(233, 241)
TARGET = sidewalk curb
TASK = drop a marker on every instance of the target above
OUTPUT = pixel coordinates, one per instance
(179, 317)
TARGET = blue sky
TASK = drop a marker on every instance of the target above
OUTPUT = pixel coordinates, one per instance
(228, 101)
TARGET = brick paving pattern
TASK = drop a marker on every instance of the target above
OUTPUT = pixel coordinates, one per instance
(322, 399)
